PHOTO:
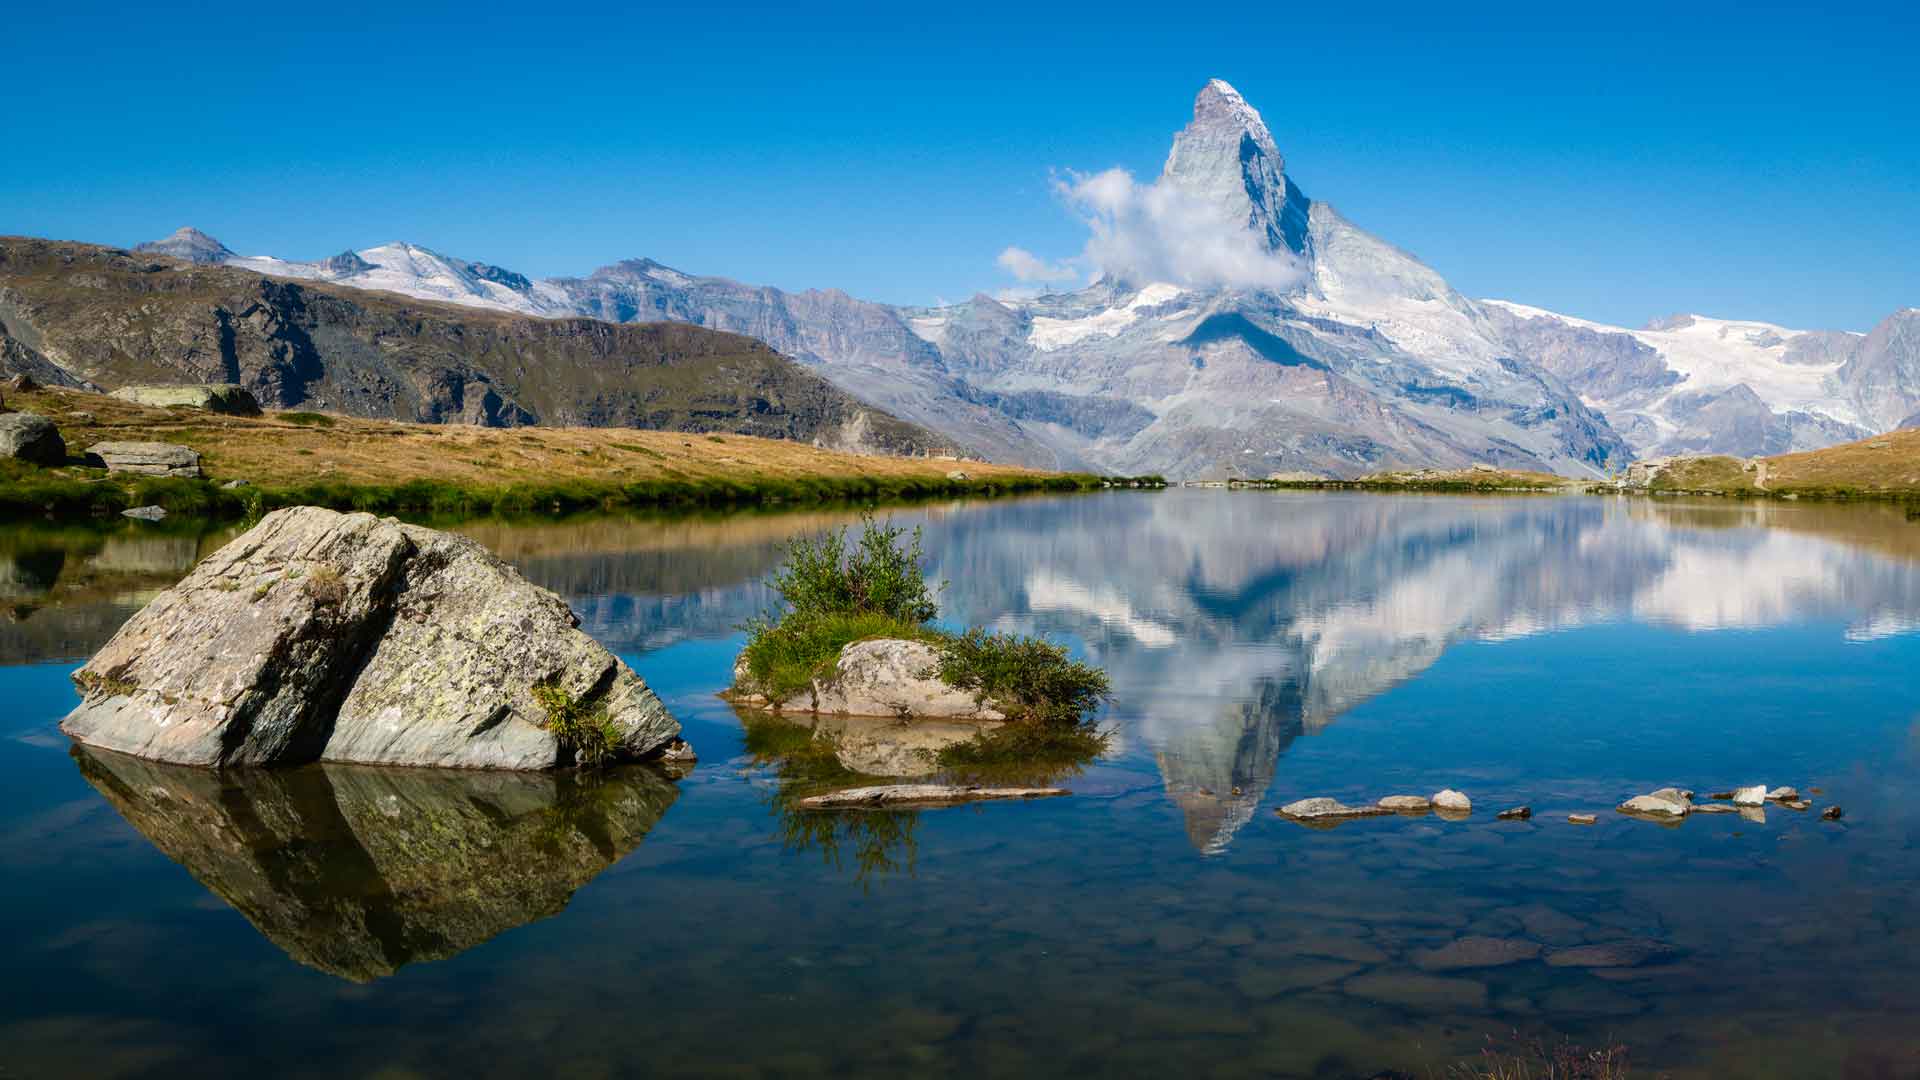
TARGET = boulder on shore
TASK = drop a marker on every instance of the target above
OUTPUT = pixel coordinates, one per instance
(32, 438)
(322, 636)
(145, 458)
(213, 397)
(890, 677)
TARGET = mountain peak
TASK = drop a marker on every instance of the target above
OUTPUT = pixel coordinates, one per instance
(190, 244)
(1227, 158)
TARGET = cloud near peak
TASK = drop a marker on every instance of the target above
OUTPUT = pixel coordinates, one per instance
(1156, 232)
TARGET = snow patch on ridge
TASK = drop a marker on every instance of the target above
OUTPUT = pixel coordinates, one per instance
(1050, 333)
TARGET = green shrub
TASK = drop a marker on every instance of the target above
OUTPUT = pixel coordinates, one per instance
(784, 657)
(822, 576)
(308, 419)
(589, 733)
(1031, 680)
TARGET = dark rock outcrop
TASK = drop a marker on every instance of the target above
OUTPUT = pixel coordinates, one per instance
(32, 438)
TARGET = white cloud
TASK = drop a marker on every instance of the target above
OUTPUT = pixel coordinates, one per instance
(1159, 232)
(1024, 265)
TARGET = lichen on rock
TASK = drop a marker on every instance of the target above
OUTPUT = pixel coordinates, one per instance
(326, 636)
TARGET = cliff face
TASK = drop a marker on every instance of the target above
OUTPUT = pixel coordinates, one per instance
(81, 314)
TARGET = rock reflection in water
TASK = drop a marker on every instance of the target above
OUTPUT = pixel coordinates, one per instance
(358, 871)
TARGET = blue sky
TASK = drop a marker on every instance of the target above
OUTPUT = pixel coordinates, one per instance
(1737, 160)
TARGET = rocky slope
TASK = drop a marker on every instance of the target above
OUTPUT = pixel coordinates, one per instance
(83, 315)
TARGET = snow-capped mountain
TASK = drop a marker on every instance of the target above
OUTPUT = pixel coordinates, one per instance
(1257, 331)
(1691, 384)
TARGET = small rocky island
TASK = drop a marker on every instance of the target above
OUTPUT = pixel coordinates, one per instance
(857, 657)
(323, 636)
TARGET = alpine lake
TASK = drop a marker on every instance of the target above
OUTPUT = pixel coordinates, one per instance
(1564, 653)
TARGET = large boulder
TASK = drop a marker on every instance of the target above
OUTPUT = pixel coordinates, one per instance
(889, 677)
(145, 458)
(213, 397)
(33, 438)
(346, 637)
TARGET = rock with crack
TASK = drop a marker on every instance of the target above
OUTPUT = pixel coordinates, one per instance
(892, 795)
(145, 458)
(322, 636)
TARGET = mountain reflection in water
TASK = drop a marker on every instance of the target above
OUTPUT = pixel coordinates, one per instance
(1234, 623)
(358, 871)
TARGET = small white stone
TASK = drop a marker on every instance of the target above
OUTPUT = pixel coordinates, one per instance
(1750, 796)
(1450, 799)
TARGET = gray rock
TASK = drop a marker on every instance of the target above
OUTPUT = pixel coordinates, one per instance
(32, 438)
(1450, 799)
(145, 458)
(921, 795)
(146, 513)
(1657, 805)
(1476, 952)
(216, 397)
(1406, 804)
(958, 475)
(1518, 813)
(1755, 795)
(345, 637)
(1611, 954)
(234, 485)
(1323, 808)
(889, 677)
(1783, 794)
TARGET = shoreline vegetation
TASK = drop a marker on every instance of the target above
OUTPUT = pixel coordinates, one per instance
(284, 459)
(1884, 468)
(839, 593)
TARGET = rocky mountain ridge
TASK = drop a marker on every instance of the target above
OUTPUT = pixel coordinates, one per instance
(96, 317)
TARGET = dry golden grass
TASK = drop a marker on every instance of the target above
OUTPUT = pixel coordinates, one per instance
(1884, 464)
(273, 451)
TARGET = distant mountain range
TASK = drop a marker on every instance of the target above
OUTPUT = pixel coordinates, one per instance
(1319, 348)
(94, 317)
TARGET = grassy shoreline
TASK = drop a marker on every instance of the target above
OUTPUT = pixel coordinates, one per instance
(345, 463)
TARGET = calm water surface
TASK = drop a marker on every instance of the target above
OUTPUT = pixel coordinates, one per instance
(1563, 653)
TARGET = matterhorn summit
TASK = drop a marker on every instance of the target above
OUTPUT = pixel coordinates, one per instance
(1227, 157)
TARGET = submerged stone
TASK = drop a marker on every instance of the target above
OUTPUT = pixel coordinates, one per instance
(1611, 954)
(325, 636)
(922, 795)
(1518, 813)
(1477, 952)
